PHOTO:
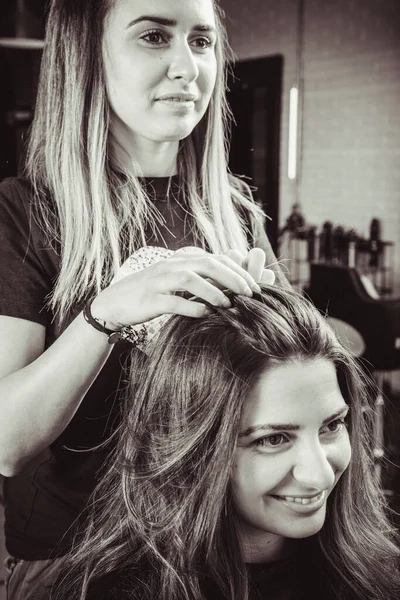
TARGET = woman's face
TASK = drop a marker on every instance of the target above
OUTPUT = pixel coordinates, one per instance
(160, 67)
(293, 446)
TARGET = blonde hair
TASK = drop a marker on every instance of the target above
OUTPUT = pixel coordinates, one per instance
(84, 199)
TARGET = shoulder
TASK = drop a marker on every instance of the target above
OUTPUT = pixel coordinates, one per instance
(15, 210)
(22, 209)
(28, 257)
(18, 206)
(241, 191)
(249, 212)
(19, 193)
(16, 194)
(16, 186)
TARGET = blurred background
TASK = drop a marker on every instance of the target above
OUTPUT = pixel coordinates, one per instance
(343, 57)
(315, 93)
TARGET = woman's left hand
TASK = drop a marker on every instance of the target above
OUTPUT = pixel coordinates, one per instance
(254, 263)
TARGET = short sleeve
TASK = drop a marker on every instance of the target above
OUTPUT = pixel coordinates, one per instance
(28, 265)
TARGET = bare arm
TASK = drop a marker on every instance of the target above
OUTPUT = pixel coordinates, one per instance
(41, 391)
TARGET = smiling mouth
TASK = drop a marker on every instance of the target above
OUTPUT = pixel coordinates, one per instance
(302, 500)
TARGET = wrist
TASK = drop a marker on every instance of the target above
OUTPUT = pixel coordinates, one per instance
(136, 335)
(95, 314)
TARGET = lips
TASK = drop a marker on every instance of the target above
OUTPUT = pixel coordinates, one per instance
(178, 97)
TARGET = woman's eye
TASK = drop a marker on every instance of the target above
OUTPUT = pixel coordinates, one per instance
(155, 37)
(203, 43)
(336, 425)
(271, 441)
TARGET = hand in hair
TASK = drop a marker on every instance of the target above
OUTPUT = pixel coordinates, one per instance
(151, 292)
(254, 263)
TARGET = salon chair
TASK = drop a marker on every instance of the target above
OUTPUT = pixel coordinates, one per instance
(343, 295)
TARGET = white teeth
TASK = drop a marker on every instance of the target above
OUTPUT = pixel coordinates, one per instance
(297, 500)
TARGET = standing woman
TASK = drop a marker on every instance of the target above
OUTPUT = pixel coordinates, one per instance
(126, 153)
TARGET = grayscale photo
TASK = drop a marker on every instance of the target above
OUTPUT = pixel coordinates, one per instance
(199, 300)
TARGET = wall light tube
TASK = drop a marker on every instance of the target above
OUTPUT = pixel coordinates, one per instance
(20, 28)
(293, 130)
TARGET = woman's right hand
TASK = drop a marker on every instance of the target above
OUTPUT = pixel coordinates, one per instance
(151, 292)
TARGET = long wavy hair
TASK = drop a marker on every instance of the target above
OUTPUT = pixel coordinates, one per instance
(84, 197)
(163, 512)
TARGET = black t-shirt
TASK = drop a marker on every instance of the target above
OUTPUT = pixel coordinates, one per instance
(43, 500)
(287, 579)
(278, 580)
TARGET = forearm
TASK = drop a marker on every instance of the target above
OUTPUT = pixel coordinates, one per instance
(38, 401)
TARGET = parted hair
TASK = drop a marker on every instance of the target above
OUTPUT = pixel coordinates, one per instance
(163, 512)
(85, 199)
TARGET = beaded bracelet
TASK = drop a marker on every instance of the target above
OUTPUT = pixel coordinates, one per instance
(130, 333)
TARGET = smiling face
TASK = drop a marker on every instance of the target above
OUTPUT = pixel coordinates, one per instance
(292, 449)
(160, 68)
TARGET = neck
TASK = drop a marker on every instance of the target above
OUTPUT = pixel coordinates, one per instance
(265, 548)
(142, 157)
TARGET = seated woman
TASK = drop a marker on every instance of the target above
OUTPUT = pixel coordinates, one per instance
(243, 469)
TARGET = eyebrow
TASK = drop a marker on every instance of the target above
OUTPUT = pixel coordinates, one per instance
(290, 426)
(167, 23)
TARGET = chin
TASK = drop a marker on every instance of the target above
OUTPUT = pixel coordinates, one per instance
(174, 137)
(176, 131)
(303, 529)
(304, 532)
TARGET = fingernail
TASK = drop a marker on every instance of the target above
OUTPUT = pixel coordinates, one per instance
(226, 303)
(248, 291)
(255, 287)
(268, 277)
(207, 311)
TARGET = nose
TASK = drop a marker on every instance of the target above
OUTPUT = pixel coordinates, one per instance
(313, 468)
(183, 64)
